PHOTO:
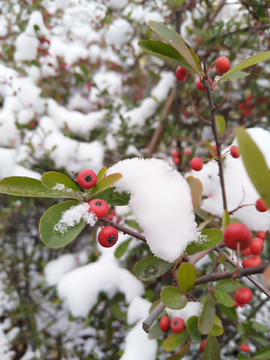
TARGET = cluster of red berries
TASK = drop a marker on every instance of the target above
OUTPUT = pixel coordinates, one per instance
(112, 216)
(108, 235)
(176, 158)
(177, 324)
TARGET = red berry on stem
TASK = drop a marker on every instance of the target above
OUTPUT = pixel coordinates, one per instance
(251, 261)
(181, 74)
(202, 345)
(260, 205)
(256, 246)
(110, 217)
(99, 207)
(200, 87)
(246, 252)
(196, 164)
(175, 153)
(107, 236)
(235, 151)
(243, 295)
(260, 234)
(176, 160)
(237, 232)
(222, 65)
(164, 323)
(244, 347)
(87, 179)
(177, 324)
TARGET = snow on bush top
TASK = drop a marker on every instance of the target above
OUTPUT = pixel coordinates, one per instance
(161, 202)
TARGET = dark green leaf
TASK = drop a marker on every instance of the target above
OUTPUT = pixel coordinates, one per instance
(240, 329)
(132, 223)
(53, 238)
(228, 286)
(208, 239)
(36, 28)
(211, 350)
(186, 277)
(173, 298)
(255, 164)
(242, 357)
(59, 182)
(102, 185)
(259, 327)
(180, 354)
(24, 186)
(155, 332)
(121, 249)
(260, 339)
(176, 41)
(262, 355)
(207, 317)
(229, 312)
(151, 268)
(217, 329)
(223, 297)
(192, 328)
(220, 124)
(175, 340)
(164, 52)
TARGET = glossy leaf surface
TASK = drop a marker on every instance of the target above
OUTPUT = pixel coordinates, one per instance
(173, 298)
(175, 340)
(151, 268)
(186, 277)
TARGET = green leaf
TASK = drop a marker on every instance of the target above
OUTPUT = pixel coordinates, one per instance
(220, 122)
(101, 173)
(255, 164)
(53, 238)
(36, 28)
(211, 350)
(229, 312)
(235, 76)
(24, 186)
(228, 285)
(175, 340)
(192, 328)
(186, 277)
(132, 223)
(207, 317)
(176, 41)
(196, 188)
(209, 148)
(259, 327)
(155, 332)
(262, 355)
(173, 298)
(242, 357)
(176, 2)
(59, 182)
(102, 185)
(207, 239)
(164, 52)
(217, 329)
(121, 249)
(225, 219)
(260, 339)
(223, 297)
(255, 59)
(181, 353)
(113, 197)
(151, 268)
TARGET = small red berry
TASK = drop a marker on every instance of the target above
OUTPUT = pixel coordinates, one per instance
(246, 252)
(176, 160)
(181, 74)
(260, 234)
(237, 232)
(260, 205)
(200, 87)
(202, 345)
(99, 207)
(243, 295)
(256, 246)
(235, 152)
(196, 164)
(175, 153)
(107, 236)
(87, 179)
(244, 347)
(110, 217)
(177, 324)
(188, 152)
(251, 261)
(164, 323)
(222, 65)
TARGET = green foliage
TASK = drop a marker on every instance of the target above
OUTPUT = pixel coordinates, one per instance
(186, 277)
(207, 317)
(175, 340)
(211, 351)
(151, 268)
(192, 328)
(207, 239)
(173, 298)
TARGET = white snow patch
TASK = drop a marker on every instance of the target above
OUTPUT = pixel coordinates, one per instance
(55, 269)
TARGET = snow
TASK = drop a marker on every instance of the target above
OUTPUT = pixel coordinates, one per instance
(161, 202)
(119, 32)
(55, 269)
(191, 309)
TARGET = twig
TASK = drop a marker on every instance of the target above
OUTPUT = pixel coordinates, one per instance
(153, 316)
(196, 113)
(123, 229)
(224, 100)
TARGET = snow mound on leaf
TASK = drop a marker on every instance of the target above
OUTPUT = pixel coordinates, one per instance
(161, 202)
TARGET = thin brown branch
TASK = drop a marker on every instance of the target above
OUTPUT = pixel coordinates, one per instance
(123, 229)
(224, 100)
(196, 113)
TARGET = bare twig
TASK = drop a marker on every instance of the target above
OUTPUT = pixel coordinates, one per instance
(196, 114)
(224, 100)
(123, 229)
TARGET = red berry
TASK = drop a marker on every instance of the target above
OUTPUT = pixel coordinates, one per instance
(110, 217)
(243, 295)
(113, 213)
(215, 150)
(177, 324)
(107, 236)
(237, 232)
(244, 347)
(260, 234)
(256, 246)
(261, 206)
(188, 152)
(200, 86)
(235, 304)
(181, 74)
(251, 261)
(176, 160)
(87, 179)
(99, 207)
(202, 345)
(175, 153)
(235, 151)
(246, 252)
(164, 323)
(222, 65)
(196, 164)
